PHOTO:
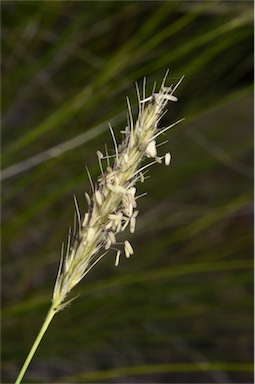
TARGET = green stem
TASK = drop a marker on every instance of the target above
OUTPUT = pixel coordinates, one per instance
(37, 341)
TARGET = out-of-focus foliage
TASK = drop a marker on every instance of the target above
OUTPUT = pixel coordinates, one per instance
(180, 310)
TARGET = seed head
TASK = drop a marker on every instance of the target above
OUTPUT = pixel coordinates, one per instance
(112, 205)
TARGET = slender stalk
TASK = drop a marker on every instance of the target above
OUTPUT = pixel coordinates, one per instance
(40, 335)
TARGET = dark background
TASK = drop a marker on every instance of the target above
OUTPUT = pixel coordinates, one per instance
(180, 310)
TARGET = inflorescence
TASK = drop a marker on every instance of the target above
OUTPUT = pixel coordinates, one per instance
(112, 206)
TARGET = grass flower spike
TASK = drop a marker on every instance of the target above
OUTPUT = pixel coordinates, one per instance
(112, 206)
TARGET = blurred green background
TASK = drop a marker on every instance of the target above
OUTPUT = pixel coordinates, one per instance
(180, 310)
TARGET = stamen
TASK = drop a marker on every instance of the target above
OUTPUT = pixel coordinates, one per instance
(117, 260)
(167, 158)
(128, 249)
(151, 150)
(141, 177)
(132, 224)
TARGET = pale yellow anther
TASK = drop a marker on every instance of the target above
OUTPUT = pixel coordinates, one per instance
(167, 158)
(151, 150)
(128, 249)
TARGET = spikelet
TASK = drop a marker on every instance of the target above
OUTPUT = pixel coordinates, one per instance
(111, 208)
